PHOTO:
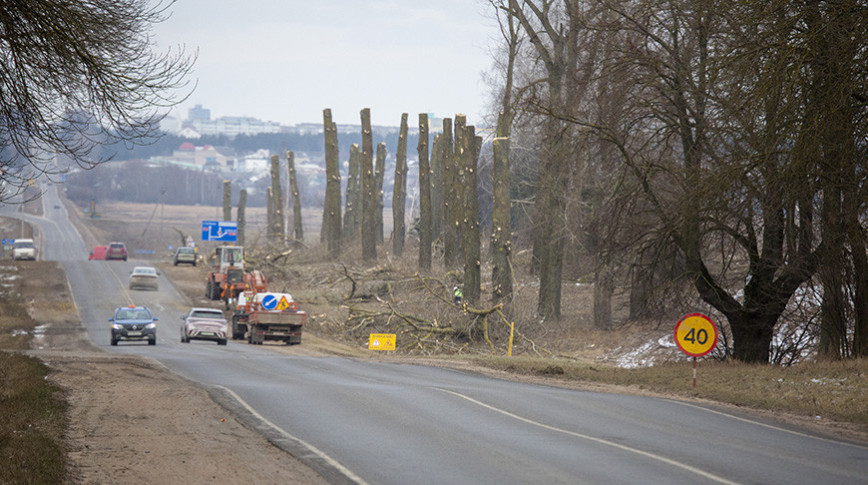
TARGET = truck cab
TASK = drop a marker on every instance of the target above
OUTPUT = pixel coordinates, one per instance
(226, 256)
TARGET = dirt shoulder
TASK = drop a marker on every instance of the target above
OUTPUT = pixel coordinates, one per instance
(133, 421)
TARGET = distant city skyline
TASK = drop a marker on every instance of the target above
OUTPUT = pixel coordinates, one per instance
(286, 60)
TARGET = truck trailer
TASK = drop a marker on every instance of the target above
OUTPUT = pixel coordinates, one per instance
(267, 316)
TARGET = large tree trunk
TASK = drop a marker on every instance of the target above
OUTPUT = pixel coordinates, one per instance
(297, 227)
(436, 186)
(471, 237)
(424, 196)
(269, 214)
(353, 200)
(278, 231)
(227, 200)
(451, 208)
(242, 207)
(369, 201)
(501, 224)
(553, 180)
(378, 189)
(460, 146)
(331, 227)
(400, 190)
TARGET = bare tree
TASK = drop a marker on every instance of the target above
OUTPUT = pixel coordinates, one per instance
(369, 196)
(379, 175)
(470, 230)
(76, 76)
(451, 209)
(240, 220)
(227, 200)
(297, 227)
(331, 228)
(353, 198)
(424, 195)
(399, 192)
(277, 230)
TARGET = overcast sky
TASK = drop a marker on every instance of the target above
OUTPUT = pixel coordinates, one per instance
(287, 60)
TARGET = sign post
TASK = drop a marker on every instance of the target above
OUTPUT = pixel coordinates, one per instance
(695, 335)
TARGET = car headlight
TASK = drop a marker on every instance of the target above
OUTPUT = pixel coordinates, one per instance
(151, 325)
(117, 327)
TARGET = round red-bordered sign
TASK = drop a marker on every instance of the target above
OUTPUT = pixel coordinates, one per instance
(695, 334)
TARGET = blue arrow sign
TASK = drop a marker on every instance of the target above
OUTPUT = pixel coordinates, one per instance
(219, 231)
(269, 302)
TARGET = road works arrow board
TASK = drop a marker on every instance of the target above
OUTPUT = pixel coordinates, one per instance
(695, 334)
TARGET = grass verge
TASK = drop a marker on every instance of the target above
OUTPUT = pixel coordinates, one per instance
(32, 423)
(33, 412)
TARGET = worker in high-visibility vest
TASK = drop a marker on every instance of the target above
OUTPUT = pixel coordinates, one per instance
(457, 295)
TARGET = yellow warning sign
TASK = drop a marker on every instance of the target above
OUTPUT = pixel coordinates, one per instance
(382, 341)
(283, 304)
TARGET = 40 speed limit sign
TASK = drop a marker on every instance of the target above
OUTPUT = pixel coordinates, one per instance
(695, 334)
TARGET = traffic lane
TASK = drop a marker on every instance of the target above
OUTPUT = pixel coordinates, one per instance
(99, 287)
(360, 400)
(702, 437)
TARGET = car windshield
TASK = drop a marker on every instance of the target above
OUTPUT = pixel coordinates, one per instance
(133, 314)
(185, 250)
(23, 244)
(145, 271)
(207, 314)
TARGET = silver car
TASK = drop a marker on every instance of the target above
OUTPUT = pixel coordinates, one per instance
(144, 277)
(204, 324)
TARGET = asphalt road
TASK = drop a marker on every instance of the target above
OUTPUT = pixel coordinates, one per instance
(366, 422)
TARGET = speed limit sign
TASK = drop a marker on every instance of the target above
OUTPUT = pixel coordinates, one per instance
(695, 334)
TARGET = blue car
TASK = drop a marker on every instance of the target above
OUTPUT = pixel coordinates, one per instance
(133, 323)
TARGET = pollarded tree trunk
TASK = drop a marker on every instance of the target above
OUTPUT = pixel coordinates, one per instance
(242, 206)
(354, 192)
(501, 224)
(436, 186)
(331, 228)
(378, 189)
(399, 192)
(458, 203)
(269, 214)
(424, 195)
(472, 249)
(297, 228)
(278, 230)
(369, 201)
(227, 200)
(449, 231)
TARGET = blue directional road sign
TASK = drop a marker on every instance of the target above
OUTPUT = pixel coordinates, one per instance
(269, 302)
(226, 231)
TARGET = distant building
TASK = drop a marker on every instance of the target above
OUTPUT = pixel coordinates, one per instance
(198, 113)
(206, 157)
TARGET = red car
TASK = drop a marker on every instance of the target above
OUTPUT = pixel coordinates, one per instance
(116, 250)
(98, 253)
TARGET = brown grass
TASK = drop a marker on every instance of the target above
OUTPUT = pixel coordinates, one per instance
(828, 390)
(32, 423)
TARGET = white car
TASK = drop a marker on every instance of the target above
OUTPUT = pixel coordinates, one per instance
(23, 249)
(204, 324)
(144, 277)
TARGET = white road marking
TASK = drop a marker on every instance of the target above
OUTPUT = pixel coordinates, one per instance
(601, 441)
(313, 449)
(770, 426)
